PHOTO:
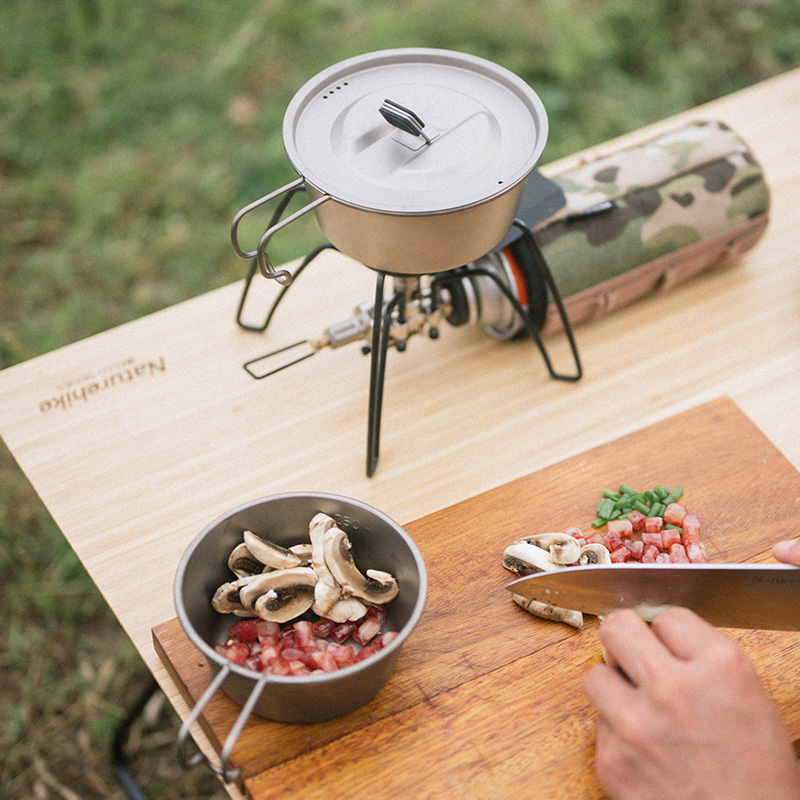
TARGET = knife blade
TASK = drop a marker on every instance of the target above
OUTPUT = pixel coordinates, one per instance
(755, 596)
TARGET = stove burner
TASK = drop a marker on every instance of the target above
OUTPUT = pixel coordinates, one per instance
(506, 291)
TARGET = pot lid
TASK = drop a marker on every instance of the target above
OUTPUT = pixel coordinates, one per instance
(414, 131)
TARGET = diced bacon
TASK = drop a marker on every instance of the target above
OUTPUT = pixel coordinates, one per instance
(677, 554)
(674, 514)
(376, 611)
(691, 528)
(669, 537)
(595, 538)
(695, 553)
(654, 524)
(236, 651)
(385, 639)
(244, 630)
(343, 654)
(304, 635)
(367, 631)
(620, 528)
(279, 666)
(637, 520)
(577, 534)
(662, 558)
(268, 655)
(324, 660)
(649, 554)
(612, 541)
(267, 628)
(296, 648)
(269, 640)
(297, 667)
(324, 626)
(653, 538)
(287, 638)
(365, 652)
(343, 631)
(292, 653)
(620, 555)
(636, 548)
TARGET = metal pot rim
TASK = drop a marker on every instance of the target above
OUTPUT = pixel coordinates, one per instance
(297, 680)
(491, 128)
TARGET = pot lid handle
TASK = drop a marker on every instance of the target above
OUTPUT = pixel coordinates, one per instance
(403, 118)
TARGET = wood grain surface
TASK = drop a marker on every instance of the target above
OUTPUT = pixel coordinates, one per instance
(486, 700)
(135, 438)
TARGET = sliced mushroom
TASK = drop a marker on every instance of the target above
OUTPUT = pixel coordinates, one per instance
(303, 552)
(327, 590)
(565, 551)
(563, 548)
(269, 553)
(242, 562)
(374, 587)
(282, 594)
(253, 589)
(349, 609)
(523, 557)
(551, 612)
(227, 600)
(545, 540)
(594, 554)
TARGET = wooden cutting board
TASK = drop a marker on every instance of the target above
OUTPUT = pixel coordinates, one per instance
(486, 700)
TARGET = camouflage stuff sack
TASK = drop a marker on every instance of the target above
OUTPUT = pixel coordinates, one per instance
(645, 218)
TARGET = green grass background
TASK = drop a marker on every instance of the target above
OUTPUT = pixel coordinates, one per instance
(130, 133)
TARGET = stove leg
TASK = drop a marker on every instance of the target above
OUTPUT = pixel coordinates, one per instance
(381, 325)
(376, 377)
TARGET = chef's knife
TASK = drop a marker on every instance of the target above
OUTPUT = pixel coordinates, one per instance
(757, 596)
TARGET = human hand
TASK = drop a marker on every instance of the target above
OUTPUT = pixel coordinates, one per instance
(682, 714)
(788, 552)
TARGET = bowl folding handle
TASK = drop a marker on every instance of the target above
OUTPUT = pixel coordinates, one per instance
(224, 769)
(283, 276)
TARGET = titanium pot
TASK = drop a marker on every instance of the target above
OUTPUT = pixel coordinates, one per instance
(415, 159)
(377, 543)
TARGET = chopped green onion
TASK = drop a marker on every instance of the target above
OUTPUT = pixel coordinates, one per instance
(657, 510)
(605, 508)
(642, 507)
(652, 503)
(673, 497)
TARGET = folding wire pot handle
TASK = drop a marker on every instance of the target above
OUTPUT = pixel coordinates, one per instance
(283, 276)
(224, 769)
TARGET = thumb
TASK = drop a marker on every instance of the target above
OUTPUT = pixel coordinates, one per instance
(787, 551)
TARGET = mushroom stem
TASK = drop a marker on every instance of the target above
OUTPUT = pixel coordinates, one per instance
(551, 612)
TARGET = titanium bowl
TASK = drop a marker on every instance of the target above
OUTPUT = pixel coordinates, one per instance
(377, 543)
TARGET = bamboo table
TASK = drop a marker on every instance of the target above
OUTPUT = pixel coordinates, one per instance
(137, 437)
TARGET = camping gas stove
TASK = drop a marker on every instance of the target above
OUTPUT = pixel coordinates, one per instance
(507, 292)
